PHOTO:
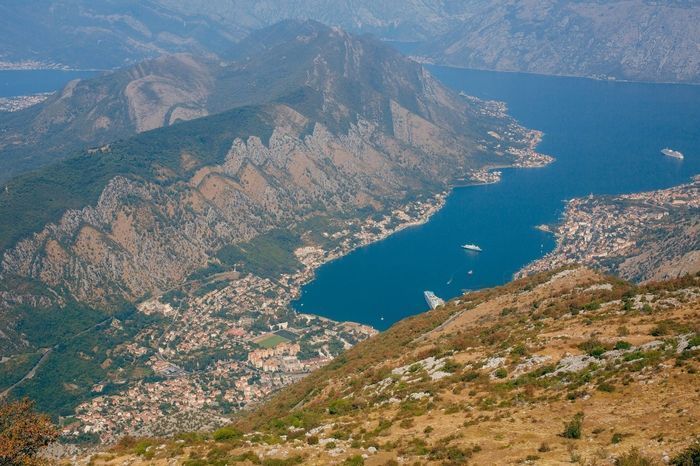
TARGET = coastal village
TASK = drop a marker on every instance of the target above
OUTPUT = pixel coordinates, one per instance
(596, 230)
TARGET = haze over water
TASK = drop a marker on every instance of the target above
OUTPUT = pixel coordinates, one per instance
(606, 137)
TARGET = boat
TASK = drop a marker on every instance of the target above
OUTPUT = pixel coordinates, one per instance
(432, 300)
(672, 153)
(471, 247)
(471, 272)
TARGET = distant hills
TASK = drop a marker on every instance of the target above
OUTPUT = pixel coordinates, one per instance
(642, 40)
(103, 34)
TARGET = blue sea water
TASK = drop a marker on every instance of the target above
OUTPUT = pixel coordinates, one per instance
(606, 137)
(25, 82)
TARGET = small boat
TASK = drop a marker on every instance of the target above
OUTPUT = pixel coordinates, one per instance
(471, 247)
(471, 272)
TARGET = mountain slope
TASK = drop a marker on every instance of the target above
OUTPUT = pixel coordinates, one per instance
(633, 40)
(568, 366)
(279, 63)
(94, 112)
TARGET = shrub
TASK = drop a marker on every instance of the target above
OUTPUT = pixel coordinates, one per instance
(451, 366)
(622, 345)
(688, 457)
(606, 387)
(501, 373)
(226, 433)
(23, 432)
(592, 347)
(312, 440)
(544, 447)
(339, 407)
(634, 458)
(356, 460)
(616, 438)
(572, 429)
(330, 445)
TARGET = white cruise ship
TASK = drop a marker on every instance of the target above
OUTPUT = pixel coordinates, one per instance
(432, 300)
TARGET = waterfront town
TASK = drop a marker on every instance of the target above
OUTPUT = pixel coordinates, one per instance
(229, 342)
(621, 233)
(17, 103)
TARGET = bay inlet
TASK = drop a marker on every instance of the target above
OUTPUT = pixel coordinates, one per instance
(606, 137)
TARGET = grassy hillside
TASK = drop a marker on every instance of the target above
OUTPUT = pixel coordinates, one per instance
(564, 367)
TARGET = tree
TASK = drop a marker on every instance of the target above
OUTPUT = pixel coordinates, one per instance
(23, 432)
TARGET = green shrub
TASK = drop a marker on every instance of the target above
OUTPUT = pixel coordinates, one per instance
(606, 387)
(339, 407)
(593, 348)
(356, 460)
(501, 373)
(622, 345)
(616, 438)
(572, 429)
(226, 433)
(688, 457)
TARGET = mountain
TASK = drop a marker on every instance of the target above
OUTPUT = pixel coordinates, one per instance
(644, 237)
(642, 40)
(565, 366)
(104, 34)
(94, 112)
(316, 141)
(634, 40)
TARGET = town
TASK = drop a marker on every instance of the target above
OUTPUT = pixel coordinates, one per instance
(230, 342)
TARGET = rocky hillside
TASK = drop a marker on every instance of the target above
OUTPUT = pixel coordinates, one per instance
(277, 64)
(327, 132)
(642, 237)
(563, 367)
(624, 39)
